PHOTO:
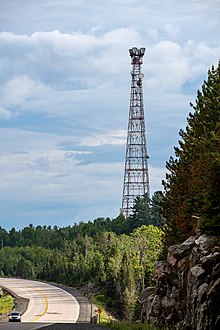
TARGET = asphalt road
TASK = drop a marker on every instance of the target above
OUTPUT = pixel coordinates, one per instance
(48, 307)
(47, 303)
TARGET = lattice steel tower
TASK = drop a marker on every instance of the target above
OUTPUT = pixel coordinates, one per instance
(136, 178)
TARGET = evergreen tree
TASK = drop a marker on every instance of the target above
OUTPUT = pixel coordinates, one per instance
(156, 209)
(192, 186)
(141, 213)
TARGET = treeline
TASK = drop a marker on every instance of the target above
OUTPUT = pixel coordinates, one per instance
(114, 256)
(192, 185)
(118, 266)
(145, 212)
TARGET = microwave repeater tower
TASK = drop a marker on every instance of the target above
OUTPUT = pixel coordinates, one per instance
(136, 178)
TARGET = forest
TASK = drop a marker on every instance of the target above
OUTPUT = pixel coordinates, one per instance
(192, 184)
(116, 257)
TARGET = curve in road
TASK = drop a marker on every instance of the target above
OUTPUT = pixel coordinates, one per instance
(47, 303)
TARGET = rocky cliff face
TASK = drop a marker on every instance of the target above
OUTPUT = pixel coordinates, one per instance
(187, 292)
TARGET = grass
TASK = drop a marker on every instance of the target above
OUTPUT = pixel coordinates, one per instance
(105, 319)
(6, 304)
(100, 301)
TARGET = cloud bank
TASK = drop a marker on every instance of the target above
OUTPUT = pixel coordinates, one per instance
(64, 98)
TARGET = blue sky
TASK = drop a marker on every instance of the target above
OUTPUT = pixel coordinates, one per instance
(64, 98)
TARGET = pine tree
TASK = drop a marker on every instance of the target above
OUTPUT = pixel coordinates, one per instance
(156, 217)
(192, 186)
(141, 213)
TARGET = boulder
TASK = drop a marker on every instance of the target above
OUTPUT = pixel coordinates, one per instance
(187, 291)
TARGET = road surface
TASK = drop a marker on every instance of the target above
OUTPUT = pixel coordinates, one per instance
(47, 303)
(49, 307)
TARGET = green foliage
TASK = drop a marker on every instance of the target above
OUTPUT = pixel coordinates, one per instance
(6, 303)
(116, 255)
(145, 212)
(192, 185)
(141, 212)
(157, 218)
(119, 265)
(149, 241)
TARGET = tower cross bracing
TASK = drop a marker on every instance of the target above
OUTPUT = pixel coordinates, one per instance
(136, 177)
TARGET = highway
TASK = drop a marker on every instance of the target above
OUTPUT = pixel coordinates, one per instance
(47, 303)
(49, 307)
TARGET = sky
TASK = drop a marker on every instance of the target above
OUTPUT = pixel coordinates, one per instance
(64, 98)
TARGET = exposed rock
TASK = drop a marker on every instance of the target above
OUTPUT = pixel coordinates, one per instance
(206, 243)
(147, 292)
(197, 271)
(187, 292)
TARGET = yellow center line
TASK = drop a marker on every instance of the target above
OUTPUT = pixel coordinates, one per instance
(46, 305)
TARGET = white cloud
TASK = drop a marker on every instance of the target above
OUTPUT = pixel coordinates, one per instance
(5, 114)
(117, 137)
(170, 64)
(172, 30)
(64, 95)
(20, 89)
(78, 73)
